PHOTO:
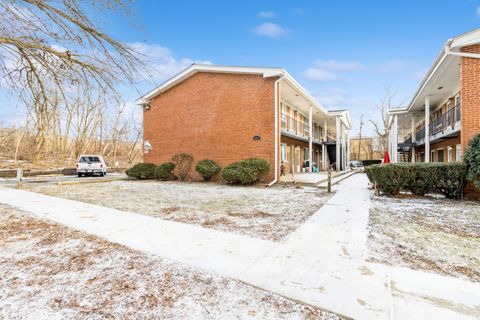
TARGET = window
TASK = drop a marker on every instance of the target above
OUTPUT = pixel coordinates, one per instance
(457, 100)
(305, 154)
(449, 154)
(89, 159)
(432, 156)
(440, 155)
(458, 153)
(284, 116)
(283, 152)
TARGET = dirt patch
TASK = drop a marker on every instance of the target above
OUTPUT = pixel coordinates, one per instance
(48, 271)
(427, 234)
(266, 213)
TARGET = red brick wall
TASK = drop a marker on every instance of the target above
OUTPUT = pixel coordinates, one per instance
(213, 116)
(470, 95)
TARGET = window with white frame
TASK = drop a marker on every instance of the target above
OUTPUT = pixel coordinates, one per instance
(458, 152)
(457, 100)
(449, 154)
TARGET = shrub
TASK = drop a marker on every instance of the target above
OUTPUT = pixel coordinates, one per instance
(261, 166)
(142, 171)
(419, 178)
(238, 173)
(451, 180)
(183, 164)
(164, 171)
(207, 169)
(388, 178)
(471, 159)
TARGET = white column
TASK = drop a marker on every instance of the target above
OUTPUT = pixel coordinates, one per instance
(338, 134)
(310, 139)
(427, 129)
(394, 154)
(324, 147)
(414, 137)
(347, 148)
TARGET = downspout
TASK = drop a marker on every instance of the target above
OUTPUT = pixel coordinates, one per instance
(275, 105)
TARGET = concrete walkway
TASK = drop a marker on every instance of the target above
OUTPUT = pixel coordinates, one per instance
(321, 263)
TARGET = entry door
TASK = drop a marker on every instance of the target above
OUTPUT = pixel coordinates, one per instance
(292, 158)
(440, 155)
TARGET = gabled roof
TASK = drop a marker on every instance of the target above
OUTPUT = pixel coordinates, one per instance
(195, 68)
(267, 72)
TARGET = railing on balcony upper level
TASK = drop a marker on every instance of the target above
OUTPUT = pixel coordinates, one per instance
(300, 128)
(295, 126)
(440, 124)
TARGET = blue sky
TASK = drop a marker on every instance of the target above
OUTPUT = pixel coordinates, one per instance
(344, 52)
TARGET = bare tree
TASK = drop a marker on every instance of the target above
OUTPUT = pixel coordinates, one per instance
(381, 127)
(52, 51)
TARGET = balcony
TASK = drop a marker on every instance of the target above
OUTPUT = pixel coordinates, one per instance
(300, 129)
(444, 125)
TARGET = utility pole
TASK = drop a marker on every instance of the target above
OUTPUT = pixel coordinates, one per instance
(360, 137)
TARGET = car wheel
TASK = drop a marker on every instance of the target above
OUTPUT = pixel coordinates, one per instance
(79, 175)
(101, 174)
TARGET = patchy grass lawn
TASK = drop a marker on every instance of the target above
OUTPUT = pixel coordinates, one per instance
(266, 213)
(429, 234)
(48, 271)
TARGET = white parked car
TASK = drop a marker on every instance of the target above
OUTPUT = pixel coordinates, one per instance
(91, 164)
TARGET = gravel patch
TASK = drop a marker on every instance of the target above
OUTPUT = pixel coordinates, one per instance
(427, 234)
(266, 213)
(48, 271)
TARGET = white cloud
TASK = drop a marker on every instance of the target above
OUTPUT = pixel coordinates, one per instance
(298, 11)
(326, 70)
(316, 74)
(338, 66)
(271, 30)
(266, 14)
(477, 11)
(161, 61)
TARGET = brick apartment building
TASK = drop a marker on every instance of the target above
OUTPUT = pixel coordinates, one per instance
(227, 114)
(443, 115)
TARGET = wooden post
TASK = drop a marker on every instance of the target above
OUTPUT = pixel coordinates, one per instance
(329, 181)
(19, 178)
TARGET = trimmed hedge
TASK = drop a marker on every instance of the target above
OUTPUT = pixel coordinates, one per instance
(419, 178)
(164, 171)
(207, 169)
(247, 171)
(472, 160)
(142, 171)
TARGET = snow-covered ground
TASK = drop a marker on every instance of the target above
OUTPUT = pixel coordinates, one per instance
(438, 235)
(48, 271)
(266, 213)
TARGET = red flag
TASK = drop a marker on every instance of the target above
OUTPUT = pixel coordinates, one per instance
(386, 158)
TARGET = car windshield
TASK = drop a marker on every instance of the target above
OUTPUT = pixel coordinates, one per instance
(89, 159)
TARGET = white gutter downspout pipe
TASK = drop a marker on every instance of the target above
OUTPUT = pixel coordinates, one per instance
(275, 105)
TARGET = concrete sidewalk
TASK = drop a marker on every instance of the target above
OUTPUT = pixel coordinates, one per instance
(321, 263)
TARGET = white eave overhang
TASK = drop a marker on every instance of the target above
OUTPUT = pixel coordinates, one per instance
(446, 61)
